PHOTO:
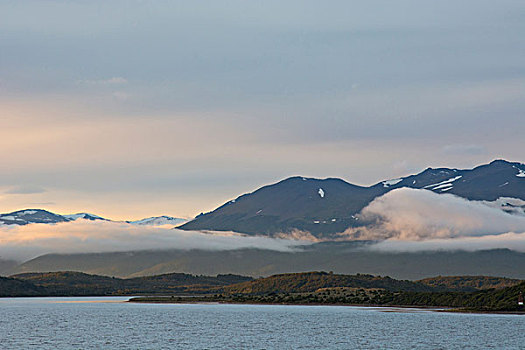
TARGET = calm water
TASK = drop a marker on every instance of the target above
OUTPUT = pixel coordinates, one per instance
(108, 323)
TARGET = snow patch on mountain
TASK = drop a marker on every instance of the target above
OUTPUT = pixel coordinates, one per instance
(158, 221)
(85, 216)
(28, 216)
(391, 182)
(27, 212)
(443, 185)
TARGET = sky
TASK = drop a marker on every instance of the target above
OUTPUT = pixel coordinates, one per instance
(130, 109)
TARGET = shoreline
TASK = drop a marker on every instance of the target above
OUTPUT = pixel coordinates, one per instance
(379, 306)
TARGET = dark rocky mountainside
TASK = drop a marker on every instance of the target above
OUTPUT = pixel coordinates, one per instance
(329, 206)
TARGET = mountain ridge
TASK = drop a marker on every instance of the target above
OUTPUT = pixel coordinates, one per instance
(325, 207)
(42, 216)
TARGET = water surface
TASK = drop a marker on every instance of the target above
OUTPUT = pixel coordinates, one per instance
(110, 323)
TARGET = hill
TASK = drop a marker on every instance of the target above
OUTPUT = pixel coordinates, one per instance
(10, 287)
(469, 283)
(340, 257)
(70, 283)
(330, 289)
(505, 299)
(326, 207)
(313, 281)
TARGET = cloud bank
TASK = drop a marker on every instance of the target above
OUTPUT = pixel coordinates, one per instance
(512, 241)
(84, 236)
(412, 219)
(401, 220)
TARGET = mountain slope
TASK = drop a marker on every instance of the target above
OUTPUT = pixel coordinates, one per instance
(340, 257)
(317, 206)
(85, 216)
(326, 207)
(29, 216)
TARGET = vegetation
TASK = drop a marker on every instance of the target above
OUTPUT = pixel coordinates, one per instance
(293, 288)
(502, 300)
(312, 281)
(10, 287)
(505, 299)
(70, 283)
(469, 283)
(329, 289)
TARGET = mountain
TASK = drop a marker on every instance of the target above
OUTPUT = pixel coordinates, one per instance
(317, 206)
(40, 216)
(30, 216)
(340, 257)
(158, 221)
(6, 266)
(324, 207)
(85, 216)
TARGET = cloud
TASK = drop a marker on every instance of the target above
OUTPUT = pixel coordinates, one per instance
(415, 215)
(511, 240)
(109, 81)
(25, 189)
(83, 236)
(461, 149)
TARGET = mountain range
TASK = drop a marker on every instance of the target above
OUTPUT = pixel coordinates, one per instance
(325, 207)
(322, 207)
(347, 257)
(40, 216)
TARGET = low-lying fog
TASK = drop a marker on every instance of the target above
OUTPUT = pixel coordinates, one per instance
(405, 220)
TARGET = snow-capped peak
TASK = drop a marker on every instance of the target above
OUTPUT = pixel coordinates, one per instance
(27, 216)
(85, 216)
(158, 221)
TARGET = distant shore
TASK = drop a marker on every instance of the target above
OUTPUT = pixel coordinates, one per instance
(387, 308)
